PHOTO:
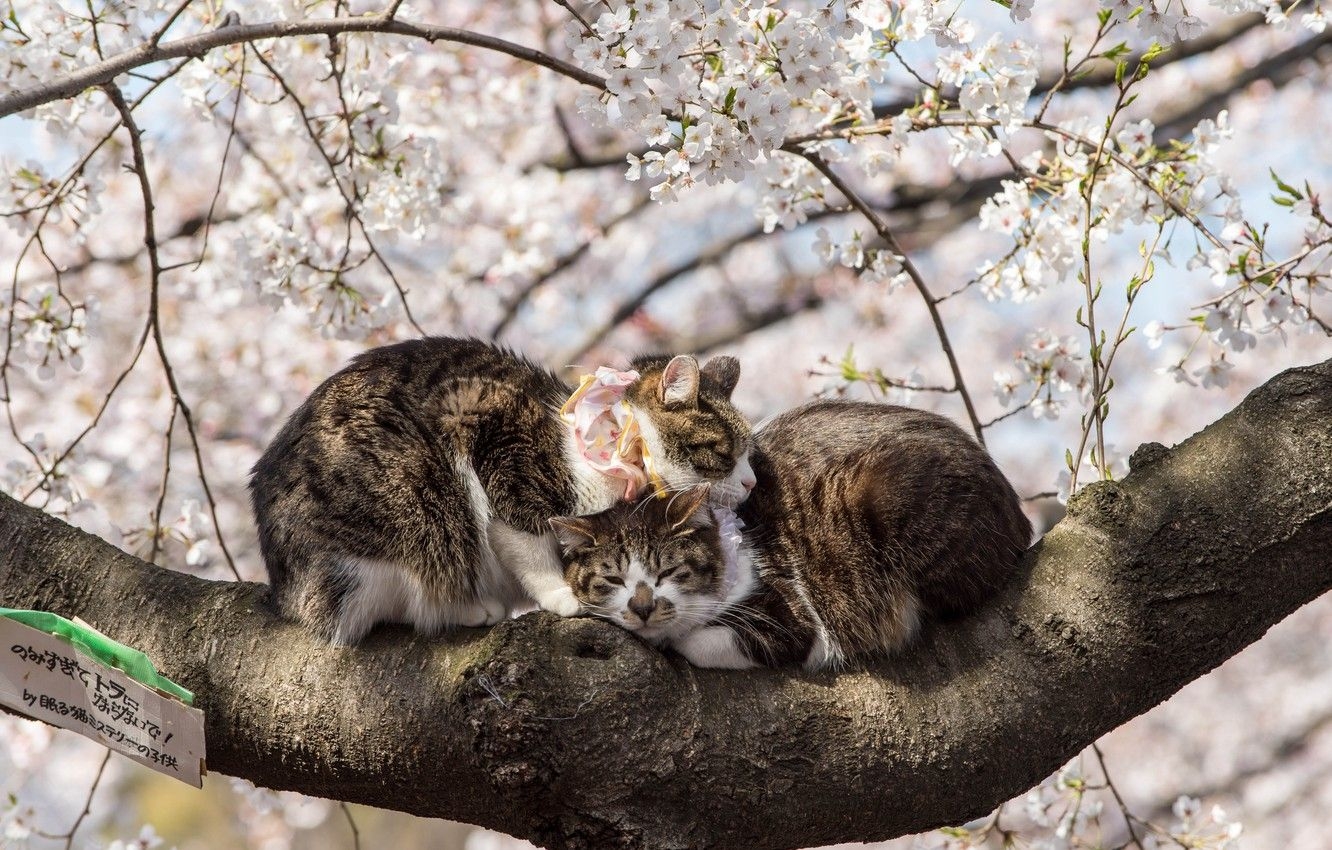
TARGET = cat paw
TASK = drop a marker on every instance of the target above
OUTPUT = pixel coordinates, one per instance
(472, 616)
(713, 647)
(560, 601)
(496, 612)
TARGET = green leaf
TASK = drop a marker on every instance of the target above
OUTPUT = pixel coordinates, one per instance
(848, 365)
(1154, 51)
(1068, 458)
(730, 101)
(1117, 51)
(1285, 187)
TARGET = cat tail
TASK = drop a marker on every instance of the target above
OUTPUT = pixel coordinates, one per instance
(315, 594)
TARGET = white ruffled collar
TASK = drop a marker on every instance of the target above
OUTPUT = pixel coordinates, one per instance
(729, 529)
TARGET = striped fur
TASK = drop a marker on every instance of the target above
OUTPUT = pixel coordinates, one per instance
(865, 519)
(415, 484)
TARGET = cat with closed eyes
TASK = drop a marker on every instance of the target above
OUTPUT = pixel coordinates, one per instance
(865, 519)
(415, 485)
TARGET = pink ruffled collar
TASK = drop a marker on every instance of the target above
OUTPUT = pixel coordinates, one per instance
(608, 436)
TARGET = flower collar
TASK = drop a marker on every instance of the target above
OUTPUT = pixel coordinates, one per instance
(609, 438)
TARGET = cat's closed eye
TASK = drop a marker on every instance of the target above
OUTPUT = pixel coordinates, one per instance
(710, 456)
(680, 574)
(604, 585)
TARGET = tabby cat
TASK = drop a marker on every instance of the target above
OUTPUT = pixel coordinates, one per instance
(415, 485)
(865, 518)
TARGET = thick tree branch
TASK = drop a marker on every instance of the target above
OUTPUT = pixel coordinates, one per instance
(197, 45)
(574, 734)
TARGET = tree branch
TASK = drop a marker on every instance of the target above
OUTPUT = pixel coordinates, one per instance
(574, 734)
(1102, 72)
(1100, 75)
(197, 45)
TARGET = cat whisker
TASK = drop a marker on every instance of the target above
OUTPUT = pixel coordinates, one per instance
(745, 618)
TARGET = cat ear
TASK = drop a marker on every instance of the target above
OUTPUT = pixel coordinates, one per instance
(681, 507)
(725, 371)
(679, 382)
(573, 532)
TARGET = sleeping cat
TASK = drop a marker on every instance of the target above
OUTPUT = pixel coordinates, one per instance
(415, 484)
(865, 518)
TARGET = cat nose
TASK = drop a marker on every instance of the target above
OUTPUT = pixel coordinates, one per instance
(642, 602)
(748, 483)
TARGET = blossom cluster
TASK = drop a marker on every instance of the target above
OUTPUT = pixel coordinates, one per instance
(717, 91)
(874, 265)
(1049, 367)
(1074, 809)
(49, 329)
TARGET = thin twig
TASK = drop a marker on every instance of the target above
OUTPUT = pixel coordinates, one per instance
(1123, 807)
(587, 28)
(71, 175)
(166, 25)
(1092, 290)
(87, 803)
(356, 833)
(351, 198)
(155, 277)
(97, 417)
(155, 527)
(222, 167)
(917, 279)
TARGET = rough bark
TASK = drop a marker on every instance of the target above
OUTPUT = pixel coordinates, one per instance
(572, 733)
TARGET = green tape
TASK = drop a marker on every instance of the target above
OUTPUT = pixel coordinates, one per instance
(96, 645)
